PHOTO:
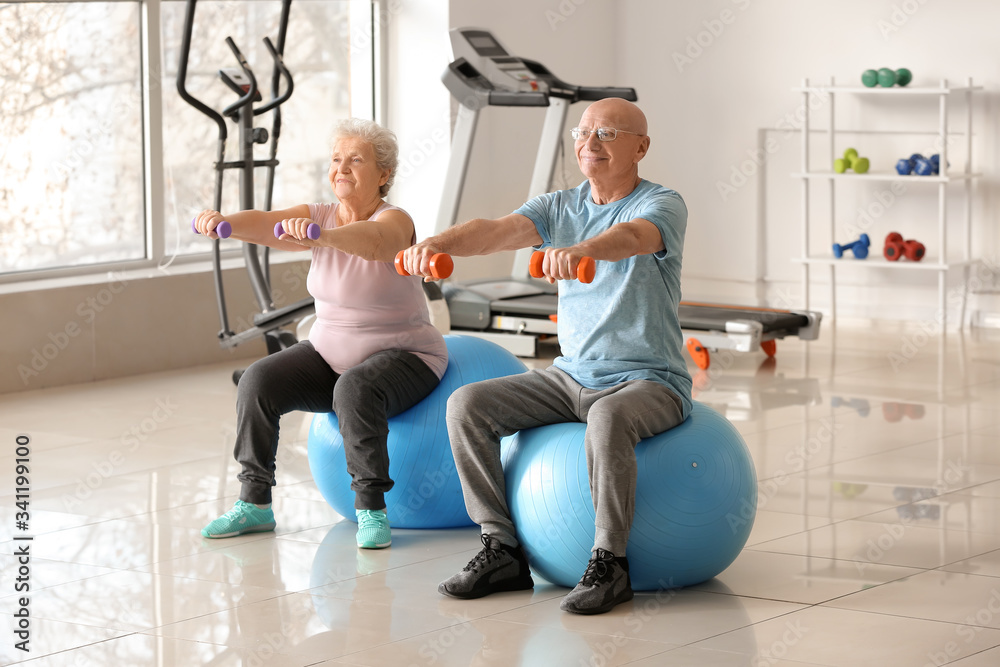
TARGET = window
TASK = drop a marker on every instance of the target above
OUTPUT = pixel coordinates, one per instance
(71, 189)
(74, 180)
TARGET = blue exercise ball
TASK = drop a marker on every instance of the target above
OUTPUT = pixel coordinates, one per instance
(695, 501)
(426, 491)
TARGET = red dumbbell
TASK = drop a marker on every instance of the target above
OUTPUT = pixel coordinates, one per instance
(584, 270)
(441, 265)
(895, 247)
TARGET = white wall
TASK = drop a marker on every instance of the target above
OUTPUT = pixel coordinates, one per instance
(711, 106)
(417, 103)
(707, 114)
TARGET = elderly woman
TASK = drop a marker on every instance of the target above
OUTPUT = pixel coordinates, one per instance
(372, 352)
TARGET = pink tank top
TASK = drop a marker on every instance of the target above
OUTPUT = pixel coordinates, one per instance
(364, 307)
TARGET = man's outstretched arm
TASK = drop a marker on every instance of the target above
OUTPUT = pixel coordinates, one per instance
(479, 236)
(620, 241)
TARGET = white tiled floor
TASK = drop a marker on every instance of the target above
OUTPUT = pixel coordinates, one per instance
(877, 538)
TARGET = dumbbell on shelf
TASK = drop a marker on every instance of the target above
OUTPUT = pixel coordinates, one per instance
(919, 165)
(895, 247)
(859, 248)
(851, 160)
(886, 77)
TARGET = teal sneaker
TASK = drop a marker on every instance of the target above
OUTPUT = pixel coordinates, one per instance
(373, 529)
(243, 518)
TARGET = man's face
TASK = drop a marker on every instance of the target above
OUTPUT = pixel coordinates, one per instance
(608, 159)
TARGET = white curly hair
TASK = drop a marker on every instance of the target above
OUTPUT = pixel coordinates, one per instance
(383, 142)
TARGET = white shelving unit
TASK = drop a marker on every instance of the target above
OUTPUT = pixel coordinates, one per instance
(938, 258)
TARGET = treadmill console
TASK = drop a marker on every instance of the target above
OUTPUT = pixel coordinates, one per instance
(506, 72)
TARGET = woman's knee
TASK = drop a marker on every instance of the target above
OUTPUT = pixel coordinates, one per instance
(254, 381)
(355, 390)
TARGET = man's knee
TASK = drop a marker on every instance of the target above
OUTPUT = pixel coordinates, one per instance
(467, 401)
(610, 442)
(609, 421)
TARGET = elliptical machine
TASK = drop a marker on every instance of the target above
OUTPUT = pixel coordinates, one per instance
(269, 322)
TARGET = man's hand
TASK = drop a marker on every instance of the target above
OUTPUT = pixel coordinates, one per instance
(561, 263)
(417, 260)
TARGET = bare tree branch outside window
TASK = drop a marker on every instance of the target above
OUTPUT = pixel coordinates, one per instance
(71, 121)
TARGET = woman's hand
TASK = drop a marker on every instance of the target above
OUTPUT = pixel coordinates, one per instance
(296, 230)
(207, 221)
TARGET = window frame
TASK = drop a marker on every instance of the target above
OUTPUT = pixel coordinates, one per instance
(367, 96)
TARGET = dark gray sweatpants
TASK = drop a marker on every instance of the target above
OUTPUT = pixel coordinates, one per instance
(480, 414)
(363, 397)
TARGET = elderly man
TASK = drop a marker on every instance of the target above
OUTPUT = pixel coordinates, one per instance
(621, 370)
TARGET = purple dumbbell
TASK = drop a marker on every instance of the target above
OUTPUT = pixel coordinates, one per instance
(224, 229)
(312, 231)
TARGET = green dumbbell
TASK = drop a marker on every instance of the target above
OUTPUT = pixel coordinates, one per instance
(886, 77)
(851, 160)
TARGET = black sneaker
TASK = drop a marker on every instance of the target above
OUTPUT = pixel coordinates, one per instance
(605, 584)
(496, 568)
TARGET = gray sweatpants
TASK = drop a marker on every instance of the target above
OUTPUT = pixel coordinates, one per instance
(364, 397)
(482, 413)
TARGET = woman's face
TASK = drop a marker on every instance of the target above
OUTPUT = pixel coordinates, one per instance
(353, 172)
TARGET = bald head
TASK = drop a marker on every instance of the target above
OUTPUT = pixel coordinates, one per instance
(612, 165)
(615, 112)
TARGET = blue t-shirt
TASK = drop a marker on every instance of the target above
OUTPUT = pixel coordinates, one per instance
(623, 326)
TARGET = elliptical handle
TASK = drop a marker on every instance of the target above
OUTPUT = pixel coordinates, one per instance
(182, 73)
(252, 91)
(279, 64)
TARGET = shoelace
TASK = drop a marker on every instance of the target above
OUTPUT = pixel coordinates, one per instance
(597, 567)
(484, 557)
(367, 519)
(234, 512)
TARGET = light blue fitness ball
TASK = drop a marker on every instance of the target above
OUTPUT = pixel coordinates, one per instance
(426, 491)
(695, 501)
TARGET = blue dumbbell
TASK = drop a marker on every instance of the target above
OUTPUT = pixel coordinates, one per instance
(923, 167)
(904, 167)
(859, 248)
(936, 163)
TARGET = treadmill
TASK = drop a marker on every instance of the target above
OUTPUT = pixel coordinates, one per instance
(713, 326)
(514, 311)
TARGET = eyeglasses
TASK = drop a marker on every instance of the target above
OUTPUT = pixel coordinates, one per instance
(603, 133)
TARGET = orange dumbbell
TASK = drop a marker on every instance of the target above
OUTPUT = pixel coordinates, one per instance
(895, 247)
(441, 265)
(584, 270)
